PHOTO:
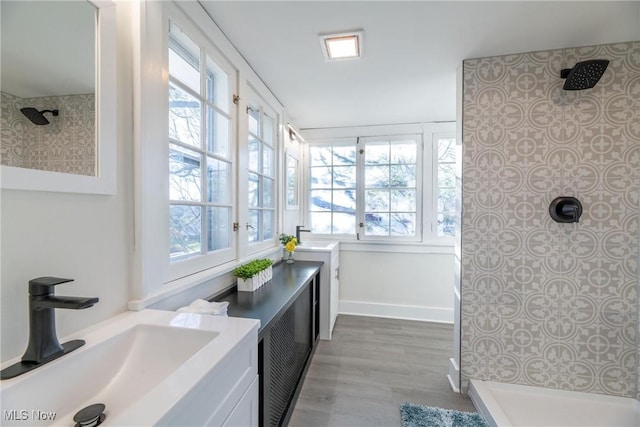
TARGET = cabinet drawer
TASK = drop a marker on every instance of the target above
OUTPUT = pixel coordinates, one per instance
(245, 414)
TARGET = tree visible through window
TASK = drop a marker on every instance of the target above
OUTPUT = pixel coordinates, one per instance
(446, 186)
(390, 179)
(262, 172)
(381, 172)
(199, 151)
(332, 193)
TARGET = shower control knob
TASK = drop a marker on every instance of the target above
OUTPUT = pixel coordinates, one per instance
(565, 209)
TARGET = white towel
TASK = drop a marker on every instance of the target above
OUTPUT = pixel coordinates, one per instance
(201, 306)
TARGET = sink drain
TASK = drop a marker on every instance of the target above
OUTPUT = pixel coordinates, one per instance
(92, 415)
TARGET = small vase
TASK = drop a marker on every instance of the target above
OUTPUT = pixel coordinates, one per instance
(290, 258)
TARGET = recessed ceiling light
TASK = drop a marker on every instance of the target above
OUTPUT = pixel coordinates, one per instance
(342, 45)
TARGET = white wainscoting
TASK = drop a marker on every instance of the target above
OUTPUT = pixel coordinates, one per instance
(395, 311)
(404, 282)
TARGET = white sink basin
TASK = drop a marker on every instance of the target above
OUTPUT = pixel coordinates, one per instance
(138, 364)
(316, 246)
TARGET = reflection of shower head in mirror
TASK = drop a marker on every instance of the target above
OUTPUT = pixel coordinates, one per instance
(37, 117)
(584, 75)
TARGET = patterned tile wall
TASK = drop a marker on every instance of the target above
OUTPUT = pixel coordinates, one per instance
(67, 144)
(543, 303)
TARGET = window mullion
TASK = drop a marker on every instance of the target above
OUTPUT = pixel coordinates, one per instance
(204, 237)
(360, 183)
(259, 171)
(420, 201)
(388, 187)
(182, 86)
(186, 146)
(185, 202)
(215, 108)
(434, 186)
(204, 138)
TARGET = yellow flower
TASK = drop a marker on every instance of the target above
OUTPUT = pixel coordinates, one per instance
(290, 246)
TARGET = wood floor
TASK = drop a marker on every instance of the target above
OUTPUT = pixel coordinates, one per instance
(370, 367)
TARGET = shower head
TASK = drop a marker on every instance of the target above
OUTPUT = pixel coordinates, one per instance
(584, 75)
(37, 117)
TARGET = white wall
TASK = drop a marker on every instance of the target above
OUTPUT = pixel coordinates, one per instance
(85, 237)
(402, 284)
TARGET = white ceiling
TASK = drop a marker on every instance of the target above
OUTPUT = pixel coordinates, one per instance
(411, 49)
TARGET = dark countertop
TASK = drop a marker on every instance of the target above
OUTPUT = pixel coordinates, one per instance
(289, 280)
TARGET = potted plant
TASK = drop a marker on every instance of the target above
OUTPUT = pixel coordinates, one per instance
(253, 274)
(290, 243)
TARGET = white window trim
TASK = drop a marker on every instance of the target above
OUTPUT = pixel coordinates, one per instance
(150, 21)
(428, 230)
(180, 268)
(419, 191)
(307, 183)
(254, 98)
(435, 136)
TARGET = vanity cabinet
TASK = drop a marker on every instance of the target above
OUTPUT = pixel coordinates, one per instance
(288, 307)
(329, 254)
(245, 413)
(228, 396)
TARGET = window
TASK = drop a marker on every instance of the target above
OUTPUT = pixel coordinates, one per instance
(291, 182)
(262, 173)
(446, 154)
(200, 153)
(397, 185)
(192, 157)
(390, 186)
(332, 190)
(381, 172)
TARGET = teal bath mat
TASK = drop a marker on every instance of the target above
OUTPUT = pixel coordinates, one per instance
(425, 416)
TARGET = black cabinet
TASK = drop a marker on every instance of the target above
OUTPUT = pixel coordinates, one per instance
(288, 308)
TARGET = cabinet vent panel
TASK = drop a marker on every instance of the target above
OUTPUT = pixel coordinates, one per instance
(290, 346)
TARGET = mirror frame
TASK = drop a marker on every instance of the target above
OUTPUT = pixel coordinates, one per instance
(104, 182)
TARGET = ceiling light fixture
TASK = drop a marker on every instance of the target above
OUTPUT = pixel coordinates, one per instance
(342, 45)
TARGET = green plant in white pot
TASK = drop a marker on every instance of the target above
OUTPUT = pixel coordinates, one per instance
(253, 274)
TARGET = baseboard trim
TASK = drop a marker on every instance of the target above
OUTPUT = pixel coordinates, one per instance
(394, 311)
(454, 375)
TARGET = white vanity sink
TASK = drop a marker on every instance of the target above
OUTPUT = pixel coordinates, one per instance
(141, 365)
(329, 254)
(316, 246)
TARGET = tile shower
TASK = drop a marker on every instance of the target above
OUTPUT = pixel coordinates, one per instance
(543, 303)
(67, 144)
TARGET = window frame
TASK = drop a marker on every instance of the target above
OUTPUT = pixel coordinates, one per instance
(436, 137)
(152, 278)
(264, 108)
(291, 164)
(179, 268)
(307, 180)
(426, 227)
(362, 188)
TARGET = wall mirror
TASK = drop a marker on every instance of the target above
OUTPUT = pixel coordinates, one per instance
(57, 111)
(291, 184)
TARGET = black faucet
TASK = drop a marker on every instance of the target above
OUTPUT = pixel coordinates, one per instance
(43, 341)
(300, 229)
